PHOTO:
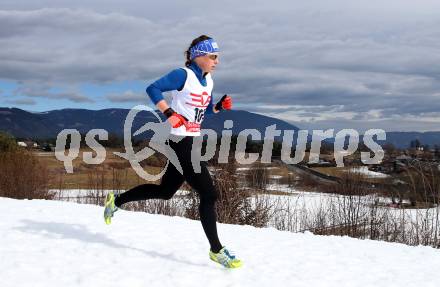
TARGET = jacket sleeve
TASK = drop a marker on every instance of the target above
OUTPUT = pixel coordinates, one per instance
(174, 80)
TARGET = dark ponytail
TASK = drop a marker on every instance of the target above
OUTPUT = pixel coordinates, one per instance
(193, 43)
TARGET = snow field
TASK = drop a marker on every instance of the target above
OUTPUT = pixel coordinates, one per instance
(50, 243)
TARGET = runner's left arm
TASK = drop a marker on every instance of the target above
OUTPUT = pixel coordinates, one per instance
(174, 80)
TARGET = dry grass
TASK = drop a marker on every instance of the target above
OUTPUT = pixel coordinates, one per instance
(80, 178)
(341, 172)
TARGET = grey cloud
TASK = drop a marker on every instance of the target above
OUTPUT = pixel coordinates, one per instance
(72, 96)
(360, 56)
(71, 46)
(127, 97)
(44, 91)
(27, 102)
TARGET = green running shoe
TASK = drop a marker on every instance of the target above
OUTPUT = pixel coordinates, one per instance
(225, 258)
(110, 208)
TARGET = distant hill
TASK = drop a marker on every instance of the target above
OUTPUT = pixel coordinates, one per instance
(26, 124)
(403, 139)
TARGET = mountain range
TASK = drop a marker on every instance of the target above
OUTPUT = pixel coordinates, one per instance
(31, 125)
(40, 125)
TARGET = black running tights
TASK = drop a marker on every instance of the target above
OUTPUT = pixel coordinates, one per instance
(173, 179)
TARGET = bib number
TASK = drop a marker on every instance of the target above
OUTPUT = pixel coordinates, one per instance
(199, 115)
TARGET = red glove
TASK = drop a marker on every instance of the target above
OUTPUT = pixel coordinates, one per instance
(224, 104)
(176, 120)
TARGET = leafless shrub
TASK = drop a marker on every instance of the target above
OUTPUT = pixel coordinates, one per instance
(119, 178)
(96, 181)
(235, 205)
(291, 179)
(257, 176)
(353, 210)
(424, 181)
(23, 176)
(172, 207)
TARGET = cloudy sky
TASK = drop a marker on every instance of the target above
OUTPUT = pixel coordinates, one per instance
(317, 64)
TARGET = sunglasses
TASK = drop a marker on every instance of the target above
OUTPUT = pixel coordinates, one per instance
(212, 56)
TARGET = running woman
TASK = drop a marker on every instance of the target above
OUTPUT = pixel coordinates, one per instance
(191, 88)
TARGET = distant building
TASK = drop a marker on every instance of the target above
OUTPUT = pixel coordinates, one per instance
(28, 144)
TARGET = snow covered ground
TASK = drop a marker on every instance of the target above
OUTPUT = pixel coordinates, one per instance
(371, 174)
(53, 243)
(75, 193)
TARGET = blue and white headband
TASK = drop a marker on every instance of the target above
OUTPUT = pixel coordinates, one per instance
(203, 47)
